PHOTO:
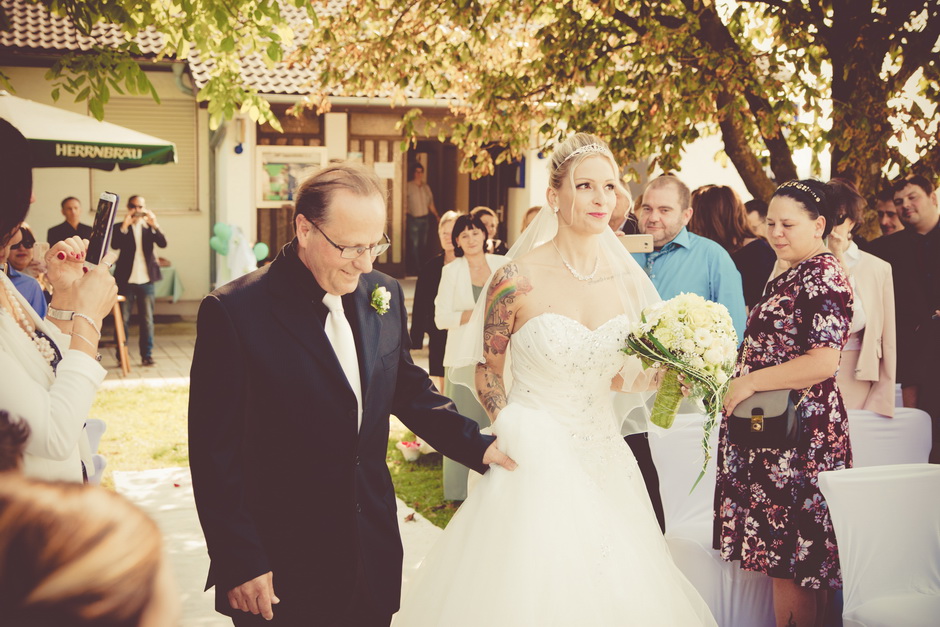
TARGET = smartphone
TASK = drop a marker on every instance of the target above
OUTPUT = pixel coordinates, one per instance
(100, 239)
(637, 243)
(39, 251)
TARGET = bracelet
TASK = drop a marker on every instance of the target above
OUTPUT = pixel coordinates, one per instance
(64, 315)
(87, 341)
(90, 321)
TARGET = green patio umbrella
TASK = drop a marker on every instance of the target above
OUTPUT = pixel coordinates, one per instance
(63, 139)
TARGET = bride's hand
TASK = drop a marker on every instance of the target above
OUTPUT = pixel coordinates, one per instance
(686, 388)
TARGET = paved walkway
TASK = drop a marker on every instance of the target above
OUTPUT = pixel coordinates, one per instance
(167, 494)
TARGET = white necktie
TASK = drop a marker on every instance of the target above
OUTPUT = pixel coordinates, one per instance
(344, 345)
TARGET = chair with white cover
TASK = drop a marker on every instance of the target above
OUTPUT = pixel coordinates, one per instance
(881, 441)
(100, 464)
(887, 524)
(736, 598)
(94, 429)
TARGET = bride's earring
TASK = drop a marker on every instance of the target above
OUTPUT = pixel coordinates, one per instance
(555, 208)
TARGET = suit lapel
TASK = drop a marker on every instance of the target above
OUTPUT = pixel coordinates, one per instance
(293, 307)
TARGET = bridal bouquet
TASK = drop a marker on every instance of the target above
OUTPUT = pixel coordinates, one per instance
(694, 337)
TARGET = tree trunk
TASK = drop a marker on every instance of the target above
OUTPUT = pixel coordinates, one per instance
(739, 151)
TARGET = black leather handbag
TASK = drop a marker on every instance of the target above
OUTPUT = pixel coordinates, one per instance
(766, 420)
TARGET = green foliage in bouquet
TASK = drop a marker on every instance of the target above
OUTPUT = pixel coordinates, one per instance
(693, 337)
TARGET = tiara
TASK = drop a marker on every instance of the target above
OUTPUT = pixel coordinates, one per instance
(803, 188)
(589, 149)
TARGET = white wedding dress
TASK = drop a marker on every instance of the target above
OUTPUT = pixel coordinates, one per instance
(568, 538)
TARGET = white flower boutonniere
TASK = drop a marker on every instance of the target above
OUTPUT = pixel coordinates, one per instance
(381, 298)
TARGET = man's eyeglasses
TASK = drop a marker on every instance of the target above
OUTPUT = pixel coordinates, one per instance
(354, 252)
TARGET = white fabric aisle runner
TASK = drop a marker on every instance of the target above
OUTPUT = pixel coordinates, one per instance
(167, 496)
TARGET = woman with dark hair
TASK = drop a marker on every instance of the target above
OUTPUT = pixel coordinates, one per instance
(869, 360)
(719, 215)
(50, 372)
(769, 512)
(462, 282)
(422, 312)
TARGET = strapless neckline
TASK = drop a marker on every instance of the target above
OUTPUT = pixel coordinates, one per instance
(571, 320)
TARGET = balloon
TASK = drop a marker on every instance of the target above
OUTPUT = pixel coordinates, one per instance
(222, 231)
(261, 251)
(218, 245)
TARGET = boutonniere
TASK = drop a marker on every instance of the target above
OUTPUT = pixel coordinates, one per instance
(380, 300)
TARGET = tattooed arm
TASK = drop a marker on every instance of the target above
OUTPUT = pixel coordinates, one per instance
(506, 293)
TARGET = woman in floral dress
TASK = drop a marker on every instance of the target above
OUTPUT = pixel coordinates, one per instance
(769, 512)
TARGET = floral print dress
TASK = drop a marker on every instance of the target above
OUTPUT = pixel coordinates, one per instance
(769, 512)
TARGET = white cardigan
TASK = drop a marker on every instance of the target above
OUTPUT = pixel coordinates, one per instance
(54, 405)
(454, 296)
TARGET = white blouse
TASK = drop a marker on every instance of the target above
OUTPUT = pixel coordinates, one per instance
(455, 296)
(54, 405)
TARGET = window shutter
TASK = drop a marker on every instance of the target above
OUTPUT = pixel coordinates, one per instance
(168, 187)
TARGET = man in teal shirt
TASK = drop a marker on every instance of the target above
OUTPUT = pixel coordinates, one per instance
(682, 261)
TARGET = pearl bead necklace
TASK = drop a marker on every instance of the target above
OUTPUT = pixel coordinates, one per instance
(22, 321)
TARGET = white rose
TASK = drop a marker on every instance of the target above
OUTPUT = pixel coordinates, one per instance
(713, 356)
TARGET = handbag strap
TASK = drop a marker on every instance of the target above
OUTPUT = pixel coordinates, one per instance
(746, 352)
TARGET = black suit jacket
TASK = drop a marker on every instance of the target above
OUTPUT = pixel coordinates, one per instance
(915, 268)
(126, 243)
(64, 231)
(282, 480)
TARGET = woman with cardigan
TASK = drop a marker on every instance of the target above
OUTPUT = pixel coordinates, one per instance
(461, 284)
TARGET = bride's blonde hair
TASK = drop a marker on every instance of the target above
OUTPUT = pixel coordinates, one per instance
(571, 152)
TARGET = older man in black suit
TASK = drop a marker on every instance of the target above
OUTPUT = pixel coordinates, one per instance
(296, 370)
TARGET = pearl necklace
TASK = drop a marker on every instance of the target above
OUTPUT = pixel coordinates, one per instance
(22, 321)
(575, 273)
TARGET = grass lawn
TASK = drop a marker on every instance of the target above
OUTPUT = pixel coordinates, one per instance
(147, 429)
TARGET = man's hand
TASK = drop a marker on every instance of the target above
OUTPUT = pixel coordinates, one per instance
(495, 456)
(256, 596)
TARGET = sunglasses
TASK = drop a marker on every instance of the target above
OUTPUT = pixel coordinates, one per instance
(27, 242)
(840, 220)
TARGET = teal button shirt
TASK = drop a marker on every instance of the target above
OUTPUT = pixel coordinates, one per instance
(694, 264)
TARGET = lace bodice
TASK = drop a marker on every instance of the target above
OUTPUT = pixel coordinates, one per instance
(561, 366)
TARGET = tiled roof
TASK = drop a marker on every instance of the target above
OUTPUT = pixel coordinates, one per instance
(36, 31)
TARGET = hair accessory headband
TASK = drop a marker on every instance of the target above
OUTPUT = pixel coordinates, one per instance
(803, 188)
(590, 148)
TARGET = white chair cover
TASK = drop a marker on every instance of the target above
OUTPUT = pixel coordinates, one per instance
(94, 429)
(880, 441)
(95, 474)
(736, 598)
(887, 524)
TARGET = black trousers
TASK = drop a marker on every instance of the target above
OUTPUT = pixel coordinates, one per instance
(640, 445)
(361, 613)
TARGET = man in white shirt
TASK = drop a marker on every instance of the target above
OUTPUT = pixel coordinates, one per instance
(137, 269)
(419, 206)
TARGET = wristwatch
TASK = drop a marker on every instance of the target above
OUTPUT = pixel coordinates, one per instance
(59, 314)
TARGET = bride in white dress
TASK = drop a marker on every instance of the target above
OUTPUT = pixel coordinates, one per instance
(568, 538)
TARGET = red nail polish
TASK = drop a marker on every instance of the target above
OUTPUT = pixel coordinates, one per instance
(60, 255)
(84, 269)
